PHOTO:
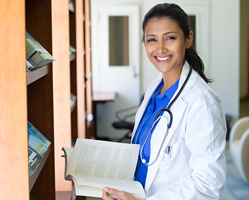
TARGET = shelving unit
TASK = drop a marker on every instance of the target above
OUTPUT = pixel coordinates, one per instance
(88, 72)
(36, 74)
(77, 69)
(41, 96)
(37, 171)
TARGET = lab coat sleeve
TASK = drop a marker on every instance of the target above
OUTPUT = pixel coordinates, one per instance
(205, 131)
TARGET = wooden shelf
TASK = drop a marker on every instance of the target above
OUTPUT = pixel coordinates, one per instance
(38, 169)
(72, 57)
(63, 195)
(36, 74)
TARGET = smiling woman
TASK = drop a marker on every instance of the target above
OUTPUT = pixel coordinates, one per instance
(180, 125)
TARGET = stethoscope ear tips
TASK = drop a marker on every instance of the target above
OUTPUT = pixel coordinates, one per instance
(143, 161)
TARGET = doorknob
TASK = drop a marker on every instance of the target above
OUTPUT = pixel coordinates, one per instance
(134, 71)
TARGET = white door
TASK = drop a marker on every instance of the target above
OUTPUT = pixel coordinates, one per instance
(199, 9)
(115, 61)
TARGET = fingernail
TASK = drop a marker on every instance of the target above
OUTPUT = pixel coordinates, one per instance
(106, 188)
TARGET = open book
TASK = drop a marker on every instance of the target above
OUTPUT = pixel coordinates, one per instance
(94, 164)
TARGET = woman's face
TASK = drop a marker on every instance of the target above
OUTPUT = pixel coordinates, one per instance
(165, 44)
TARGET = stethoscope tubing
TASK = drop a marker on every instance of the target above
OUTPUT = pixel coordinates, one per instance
(168, 125)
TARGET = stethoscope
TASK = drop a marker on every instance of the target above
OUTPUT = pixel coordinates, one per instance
(168, 125)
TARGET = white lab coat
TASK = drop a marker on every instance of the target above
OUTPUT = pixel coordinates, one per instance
(195, 168)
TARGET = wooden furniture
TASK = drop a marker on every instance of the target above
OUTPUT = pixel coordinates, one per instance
(102, 97)
(13, 103)
(88, 73)
(41, 96)
(77, 69)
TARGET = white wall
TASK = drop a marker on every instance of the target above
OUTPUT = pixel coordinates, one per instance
(224, 48)
(224, 52)
(244, 45)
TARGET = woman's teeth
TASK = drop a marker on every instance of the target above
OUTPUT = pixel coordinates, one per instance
(163, 58)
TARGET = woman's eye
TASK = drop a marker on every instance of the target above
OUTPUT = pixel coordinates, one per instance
(170, 38)
(151, 40)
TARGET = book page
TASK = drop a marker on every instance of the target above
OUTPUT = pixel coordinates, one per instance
(124, 185)
(93, 186)
(104, 159)
(68, 152)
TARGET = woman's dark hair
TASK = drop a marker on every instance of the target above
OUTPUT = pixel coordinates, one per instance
(174, 12)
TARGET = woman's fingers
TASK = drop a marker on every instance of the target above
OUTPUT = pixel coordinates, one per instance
(105, 195)
(113, 191)
(121, 195)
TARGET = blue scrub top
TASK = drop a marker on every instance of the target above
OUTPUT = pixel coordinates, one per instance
(157, 102)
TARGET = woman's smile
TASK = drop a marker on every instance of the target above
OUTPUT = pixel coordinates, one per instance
(163, 59)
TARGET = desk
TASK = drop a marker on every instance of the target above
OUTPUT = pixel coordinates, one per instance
(101, 97)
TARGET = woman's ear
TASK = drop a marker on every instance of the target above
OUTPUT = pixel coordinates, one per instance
(189, 40)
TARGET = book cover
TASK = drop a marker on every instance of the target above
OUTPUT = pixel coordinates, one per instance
(34, 159)
(37, 141)
(35, 53)
(29, 66)
(32, 197)
(72, 50)
(72, 100)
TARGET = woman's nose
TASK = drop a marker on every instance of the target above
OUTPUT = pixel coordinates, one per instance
(161, 48)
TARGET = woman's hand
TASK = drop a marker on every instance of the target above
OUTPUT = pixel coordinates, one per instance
(121, 194)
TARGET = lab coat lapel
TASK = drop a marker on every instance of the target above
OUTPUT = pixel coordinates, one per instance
(145, 102)
(177, 109)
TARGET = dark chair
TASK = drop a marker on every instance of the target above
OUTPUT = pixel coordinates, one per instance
(123, 122)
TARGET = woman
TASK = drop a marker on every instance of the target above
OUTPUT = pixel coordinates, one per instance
(190, 164)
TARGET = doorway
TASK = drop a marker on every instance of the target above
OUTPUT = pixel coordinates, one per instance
(115, 61)
(244, 59)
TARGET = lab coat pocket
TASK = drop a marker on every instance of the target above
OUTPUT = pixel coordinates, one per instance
(167, 153)
(171, 151)
(172, 160)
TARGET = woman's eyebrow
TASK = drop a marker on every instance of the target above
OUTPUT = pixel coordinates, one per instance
(169, 32)
(150, 35)
(163, 33)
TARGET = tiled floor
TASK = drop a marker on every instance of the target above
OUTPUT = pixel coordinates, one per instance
(235, 188)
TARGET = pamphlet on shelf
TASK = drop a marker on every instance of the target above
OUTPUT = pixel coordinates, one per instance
(94, 164)
(37, 141)
(29, 66)
(31, 172)
(32, 197)
(72, 99)
(72, 50)
(36, 54)
(70, 6)
(34, 158)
